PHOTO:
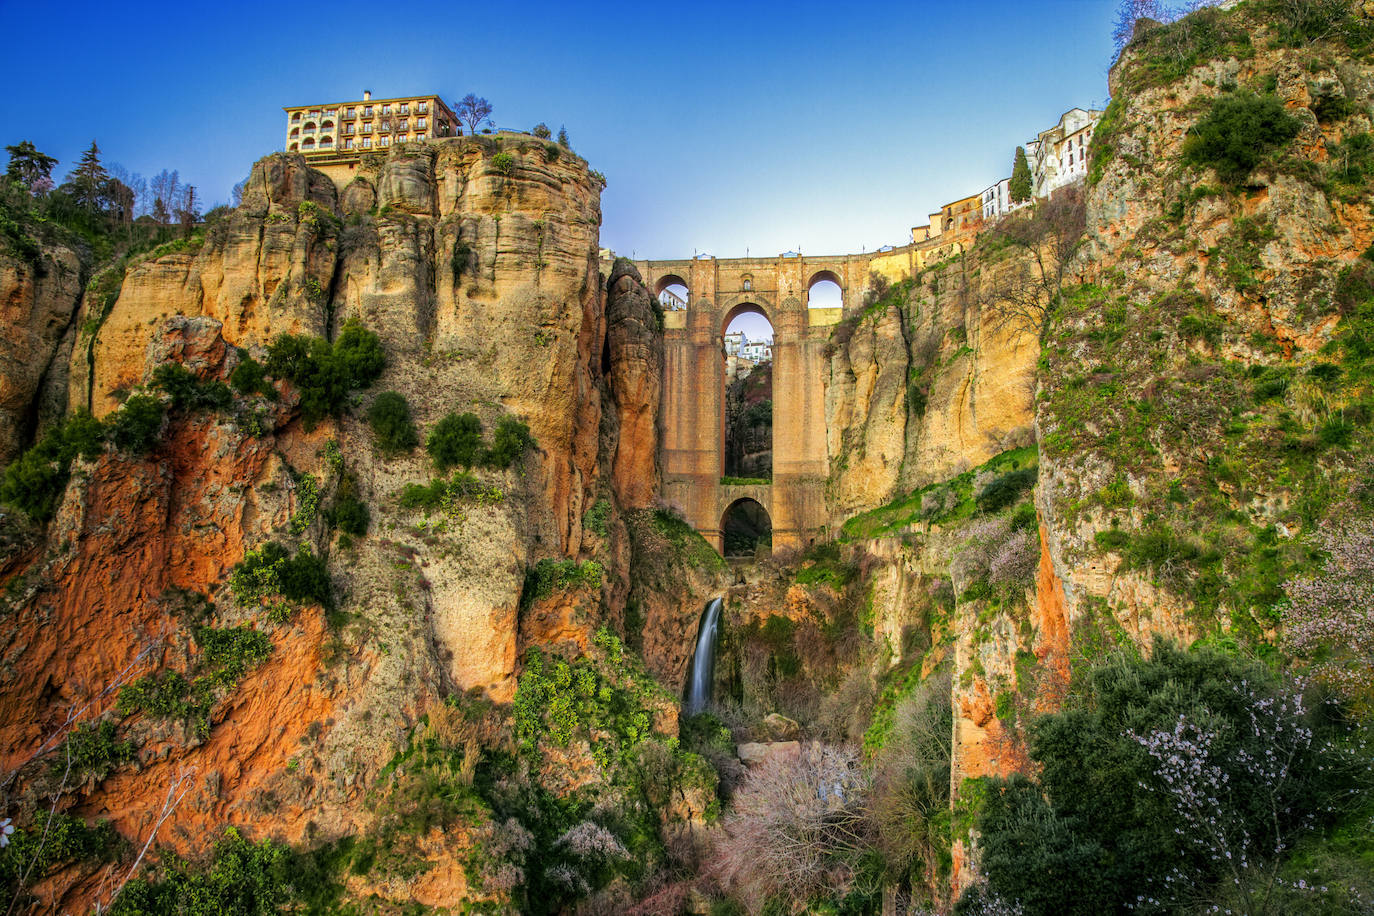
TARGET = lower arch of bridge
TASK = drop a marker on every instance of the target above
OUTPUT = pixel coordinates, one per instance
(746, 529)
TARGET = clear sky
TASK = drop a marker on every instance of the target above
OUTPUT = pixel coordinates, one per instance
(720, 127)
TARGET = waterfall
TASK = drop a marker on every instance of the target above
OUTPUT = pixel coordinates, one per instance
(703, 667)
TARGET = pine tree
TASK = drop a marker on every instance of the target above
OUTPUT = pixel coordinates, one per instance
(563, 138)
(88, 179)
(1020, 186)
(30, 166)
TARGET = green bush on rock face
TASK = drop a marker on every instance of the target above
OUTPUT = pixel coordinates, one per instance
(34, 482)
(389, 417)
(325, 375)
(455, 440)
(1239, 131)
(136, 426)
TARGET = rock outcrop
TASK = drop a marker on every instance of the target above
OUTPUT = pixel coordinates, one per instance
(37, 301)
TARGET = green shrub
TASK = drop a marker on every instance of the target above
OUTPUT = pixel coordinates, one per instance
(250, 378)
(51, 841)
(509, 443)
(137, 425)
(1237, 133)
(269, 570)
(547, 576)
(455, 440)
(188, 391)
(1099, 811)
(594, 519)
(348, 513)
(324, 374)
(389, 417)
(1006, 489)
(503, 163)
(242, 879)
(35, 481)
(93, 750)
(226, 656)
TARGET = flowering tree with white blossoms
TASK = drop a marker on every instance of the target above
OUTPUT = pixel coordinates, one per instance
(1329, 617)
(1244, 831)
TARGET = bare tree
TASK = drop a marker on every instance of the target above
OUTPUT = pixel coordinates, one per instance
(794, 818)
(1024, 293)
(165, 188)
(473, 111)
(1128, 14)
(236, 193)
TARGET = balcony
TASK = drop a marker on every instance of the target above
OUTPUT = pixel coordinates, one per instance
(310, 131)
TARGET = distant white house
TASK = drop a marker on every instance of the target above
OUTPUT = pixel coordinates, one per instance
(1059, 156)
(997, 200)
(757, 351)
(734, 341)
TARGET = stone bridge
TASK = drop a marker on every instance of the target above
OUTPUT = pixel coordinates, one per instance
(692, 450)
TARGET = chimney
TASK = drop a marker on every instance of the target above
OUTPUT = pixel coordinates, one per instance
(367, 95)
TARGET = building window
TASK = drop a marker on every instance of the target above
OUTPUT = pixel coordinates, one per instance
(295, 131)
(386, 125)
(748, 285)
(422, 107)
(386, 141)
(348, 144)
(349, 128)
(405, 108)
(367, 127)
(367, 112)
(420, 136)
(315, 113)
(367, 143)
(295, 115)
(351, 113)
(419, 123)
(331, 112)
(386, 109)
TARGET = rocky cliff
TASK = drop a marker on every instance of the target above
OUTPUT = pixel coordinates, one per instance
(474, 263)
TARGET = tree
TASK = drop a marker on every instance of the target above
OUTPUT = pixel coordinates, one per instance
(166, 189)
(188, 209)
(473, 110)
(563, 138)
(1329, 617)
(236, 193)
(1128, 14)
(541, 130)
(1024, 292)
(30, 166)
(88, 179)
(133, 197)
(1020, 178)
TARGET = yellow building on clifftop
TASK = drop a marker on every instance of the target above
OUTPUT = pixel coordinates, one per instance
(339, 133)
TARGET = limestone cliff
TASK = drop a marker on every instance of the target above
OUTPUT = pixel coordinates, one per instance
(37, 301)
(474, 262)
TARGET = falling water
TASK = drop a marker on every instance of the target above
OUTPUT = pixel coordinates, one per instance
(703, 668)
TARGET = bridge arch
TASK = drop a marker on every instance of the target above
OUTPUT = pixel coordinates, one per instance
(746, 528)
(825, 290)
(673, 292)
(747, 307)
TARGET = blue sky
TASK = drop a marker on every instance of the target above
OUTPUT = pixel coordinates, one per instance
(720, 127)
